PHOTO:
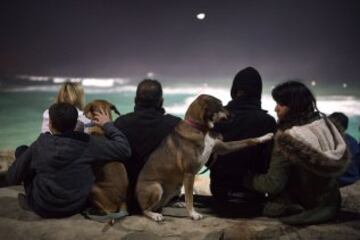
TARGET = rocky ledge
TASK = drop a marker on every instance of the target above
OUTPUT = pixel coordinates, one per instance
(16, 223)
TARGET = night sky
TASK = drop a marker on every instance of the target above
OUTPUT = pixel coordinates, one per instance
(317, 40)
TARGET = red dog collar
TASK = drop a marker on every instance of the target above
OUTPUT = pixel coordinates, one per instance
(200, 127)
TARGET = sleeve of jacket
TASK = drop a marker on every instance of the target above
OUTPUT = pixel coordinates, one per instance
(115, 147)
(121, 122)
(265, 150)
(20, 168)
(274, 181)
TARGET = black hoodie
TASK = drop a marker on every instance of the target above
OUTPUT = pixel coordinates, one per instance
(145, 128)
(56, 169)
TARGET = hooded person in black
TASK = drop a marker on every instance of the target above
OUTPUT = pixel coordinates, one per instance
(57, 168)
(246, 120)
(145, 128)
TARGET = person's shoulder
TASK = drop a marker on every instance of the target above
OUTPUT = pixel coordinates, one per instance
(122, 120)
(264, 119)
(125, 117)
(268, 117)
(351, 141)
(350, 138)
(170, 116)
(45, 135)
(263, 116)
(171, 119)
(43, 139)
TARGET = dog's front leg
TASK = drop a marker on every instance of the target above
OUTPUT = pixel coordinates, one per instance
(189, 186)
(222, 148)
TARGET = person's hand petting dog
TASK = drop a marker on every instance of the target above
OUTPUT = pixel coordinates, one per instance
(101, 118)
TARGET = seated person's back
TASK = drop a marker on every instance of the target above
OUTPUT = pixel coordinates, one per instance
(145, 128)
(57, 168)
(246, 120)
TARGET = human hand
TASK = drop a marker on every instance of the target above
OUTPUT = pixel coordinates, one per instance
(101, 118)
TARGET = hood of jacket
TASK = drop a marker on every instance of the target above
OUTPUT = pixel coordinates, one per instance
(317, 146)
(58, 151)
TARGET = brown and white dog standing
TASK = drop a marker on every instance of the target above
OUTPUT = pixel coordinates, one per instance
(111, 182)
(182, 154)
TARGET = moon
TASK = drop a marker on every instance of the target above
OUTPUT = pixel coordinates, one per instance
(201, 16)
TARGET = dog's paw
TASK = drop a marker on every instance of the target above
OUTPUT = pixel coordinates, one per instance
(179, 204)
(266, 137)
(196, 216)
(158, 217)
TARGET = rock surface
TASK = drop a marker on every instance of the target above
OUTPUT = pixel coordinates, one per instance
(16, 223)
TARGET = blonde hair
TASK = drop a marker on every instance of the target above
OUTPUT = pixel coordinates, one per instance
(72, 93)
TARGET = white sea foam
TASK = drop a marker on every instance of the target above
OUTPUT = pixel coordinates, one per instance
(350, 105)
(42, 88)
(87, 82)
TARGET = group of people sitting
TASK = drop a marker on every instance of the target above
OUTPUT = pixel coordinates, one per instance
(295, 177)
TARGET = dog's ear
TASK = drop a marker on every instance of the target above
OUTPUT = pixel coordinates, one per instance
(207, 115)
(112, 107)
(213, 111)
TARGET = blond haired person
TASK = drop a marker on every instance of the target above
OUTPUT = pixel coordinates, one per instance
(71, 93)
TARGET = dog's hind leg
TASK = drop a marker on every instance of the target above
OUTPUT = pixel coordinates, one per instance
(98, 198)
(149, 197)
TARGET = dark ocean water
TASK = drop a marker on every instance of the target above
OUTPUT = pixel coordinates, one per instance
(21, 109)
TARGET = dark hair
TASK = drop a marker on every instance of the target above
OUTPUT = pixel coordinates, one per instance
(247, 84)
(149, 93)
(340, 118)
(300, 101)
(295, 95)
(63, 117)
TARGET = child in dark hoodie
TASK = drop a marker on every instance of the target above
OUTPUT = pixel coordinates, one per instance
(56, 168)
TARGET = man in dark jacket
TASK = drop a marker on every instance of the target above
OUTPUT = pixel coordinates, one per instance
(145, 128)
(246, 120)
(56, 168)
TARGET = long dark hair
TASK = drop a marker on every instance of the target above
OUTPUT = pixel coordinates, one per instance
(300, 101)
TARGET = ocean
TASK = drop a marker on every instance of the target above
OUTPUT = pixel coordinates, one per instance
(21, 108)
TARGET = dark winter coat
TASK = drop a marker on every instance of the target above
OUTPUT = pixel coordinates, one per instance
(145, 128)
(247, 120)
(57, 169)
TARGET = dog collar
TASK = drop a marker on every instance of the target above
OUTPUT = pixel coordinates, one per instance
(200, 127)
